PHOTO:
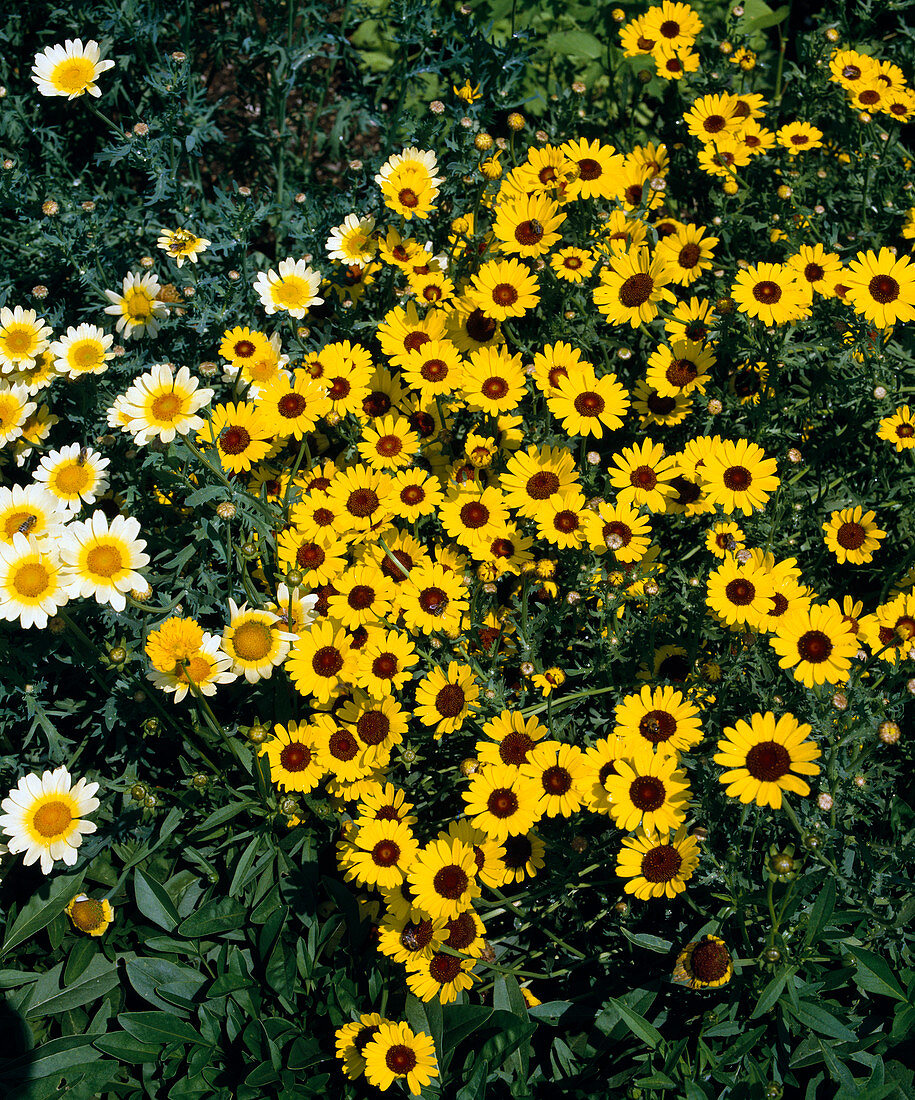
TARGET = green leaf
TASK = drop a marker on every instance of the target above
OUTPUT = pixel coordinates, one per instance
(95, 981)
(822, 1021)
(549, 1012)
(218, 915)
(770, 995)
(772, 19)
(152, 977)
(51, 898)
(873, 974)
(126, 1048)
(158, 1027)
(49, 1059)
(84, 950)
(462, 1021)
(153, 901)
(240, 878)
(575, 44)
(821, 911)
(637, 1024)
(650, 943)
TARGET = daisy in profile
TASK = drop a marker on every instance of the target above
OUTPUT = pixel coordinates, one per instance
(15, 409)
(32, 584)
(74, 475)
(353, 241)
(23, 337)
(101, 559)
(161, 404)
(83, 350)
(70, 70)
(182, 244)
(45, 817)
(138, 309)
(200, 669)
(292, 289)
(254, 642)
(766, 757)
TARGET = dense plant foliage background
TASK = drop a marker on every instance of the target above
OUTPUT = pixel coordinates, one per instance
(238, 949)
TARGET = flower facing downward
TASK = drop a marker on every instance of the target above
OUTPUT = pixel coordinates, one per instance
(70, 70)
(44, 817)
(704, 964)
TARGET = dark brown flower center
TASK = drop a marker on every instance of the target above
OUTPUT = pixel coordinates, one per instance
(475, 514)
(414, 340)
(360, 597)
(518, 852)
(768, 761)
(643, 477)
(385, 853)
(529, 233)
(339, 388)
(767, 292)
(415, 937)
(850, 536)
(636, 290)
(479, 327)
(434, 370)
(400, 1059)
(309, 556)
(514, 747)
(411, 495)
(884, 289)
(406, 196)
(657, 726)
(709, 961)
(813, 273)
(589, 169)
(502, 802)
(384, 666)
(661, 864)
(647, 793)
(494, 389)
(444, 968)
(295, 757)
(681, 372)
(504, 294)
(660, 406)
(542, 485)
(394, 572)
(234, 439)
(589, 403)
(450, 701)
(566, 521)
(740, 592)
(462, 932)
(327, 661)
(556, 780)
(373, 727)
(362, 502)
(291, 405)
(342, 745)
(450, 881)
(737, 479)
(433, 601)
(388, 446)
(814, 646)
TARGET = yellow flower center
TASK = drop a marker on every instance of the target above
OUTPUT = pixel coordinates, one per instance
(137, 305)
(86, 354)
(105, 560)
(252, 641)
(14, 522)
(19, 341)
(88, 914)
(73, 479)
(52, 819)
(74, 75)
(165, 407)
(197, 669)
(292, 293)
(31, 580)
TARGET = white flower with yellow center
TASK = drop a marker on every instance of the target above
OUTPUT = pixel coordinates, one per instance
(182, 244)
(34, 432)
(255, 642)
(119, 415)
(15, 409)
(293, 289)
(101, 559)
(206, 667)
(37, 377)
(295, 609)
(23, 337)
(137, 308)
(162, 405)
(45, 817)
(30, 510)
(83, 350)
(74, 474)
(70, 70)
(31, 582)
(352, 241)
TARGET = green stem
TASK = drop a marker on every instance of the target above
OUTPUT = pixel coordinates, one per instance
(509, 904)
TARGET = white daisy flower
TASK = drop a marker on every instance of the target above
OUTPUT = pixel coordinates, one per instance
(45, 817)
(293, 289)
(70, 70)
